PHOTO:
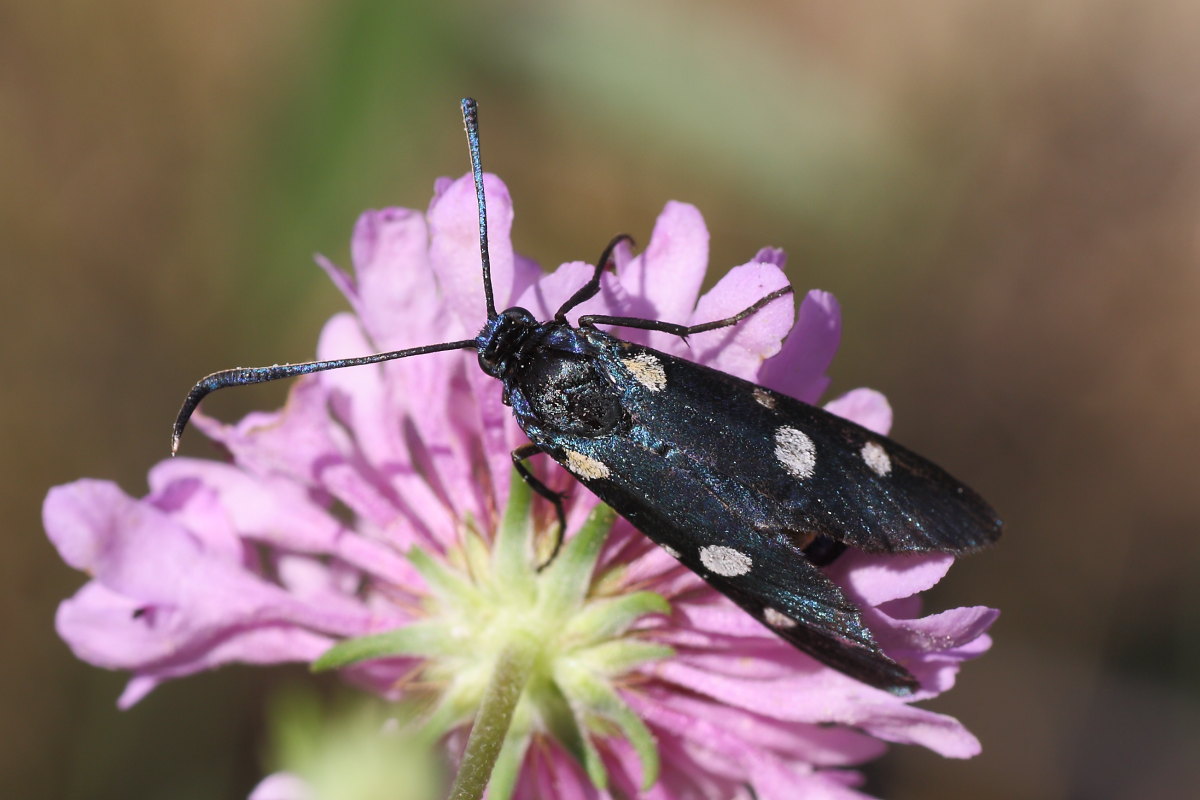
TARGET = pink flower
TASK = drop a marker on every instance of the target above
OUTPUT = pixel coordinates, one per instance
(372, 504)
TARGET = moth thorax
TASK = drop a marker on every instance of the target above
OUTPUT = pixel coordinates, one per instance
(567, 394)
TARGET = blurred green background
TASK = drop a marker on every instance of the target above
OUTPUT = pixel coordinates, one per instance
(1004, 197)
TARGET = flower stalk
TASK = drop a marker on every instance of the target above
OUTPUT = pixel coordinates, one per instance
(490, 731)
(535, 651)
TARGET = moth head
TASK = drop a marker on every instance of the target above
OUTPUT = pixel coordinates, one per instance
(500, 338)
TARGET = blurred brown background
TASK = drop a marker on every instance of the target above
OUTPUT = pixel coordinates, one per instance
(1004, 197)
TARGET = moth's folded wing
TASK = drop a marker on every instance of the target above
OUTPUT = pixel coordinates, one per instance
(804, 469)
(764, 572)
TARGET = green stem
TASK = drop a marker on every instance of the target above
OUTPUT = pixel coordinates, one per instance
(512, 672)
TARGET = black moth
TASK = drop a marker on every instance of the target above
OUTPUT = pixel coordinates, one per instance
(750, 489)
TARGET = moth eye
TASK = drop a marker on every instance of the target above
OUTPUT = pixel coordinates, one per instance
(877, 458)
(725, 561)
(796, 452)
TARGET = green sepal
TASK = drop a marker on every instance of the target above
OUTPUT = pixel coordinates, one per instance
(511, 550)
(446, 585)
(611, 616)
(476, 556)
(565, 582)
(621, 655)
(601, 699)
(455, 706)
(611, 581)
(567, 729)
(416, 639)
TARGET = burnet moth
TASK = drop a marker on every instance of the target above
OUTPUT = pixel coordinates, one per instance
(751, 489)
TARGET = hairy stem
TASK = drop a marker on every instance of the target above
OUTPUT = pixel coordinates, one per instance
(512, 672)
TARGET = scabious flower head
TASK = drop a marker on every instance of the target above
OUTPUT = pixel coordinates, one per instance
(376, 511)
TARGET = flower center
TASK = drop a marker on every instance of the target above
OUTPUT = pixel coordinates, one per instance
(491, 616)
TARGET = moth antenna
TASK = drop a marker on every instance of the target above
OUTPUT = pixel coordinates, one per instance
(243, 376)
(470, 112)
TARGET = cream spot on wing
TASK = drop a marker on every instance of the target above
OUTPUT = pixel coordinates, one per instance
(647, 370)
(586, 467)
(796, 452)
(777, 619)
(671, 551)
(725, 561)
(877, 458)
(764, 398)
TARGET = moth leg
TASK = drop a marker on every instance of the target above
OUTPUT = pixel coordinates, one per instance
(519, 456)
(682, 331)
(592, 287)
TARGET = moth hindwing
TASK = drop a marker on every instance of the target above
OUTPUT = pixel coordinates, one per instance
(751, 489)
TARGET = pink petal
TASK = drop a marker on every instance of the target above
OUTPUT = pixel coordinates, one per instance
(183, 592)
(551, 773)
(800, 368)
(948, 630)
(772, 255)
(279, 512)
(827, 746)
(100, 627)
(282, 786)
(667, 276)
(770, 774)
(741, 349)
(454, 251)
(867, 407)
(831, 697)
(393, 285)
(380, 404)
(543, 297)
(875, 579)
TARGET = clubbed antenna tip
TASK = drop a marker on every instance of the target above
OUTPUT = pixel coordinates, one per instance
(470, 112)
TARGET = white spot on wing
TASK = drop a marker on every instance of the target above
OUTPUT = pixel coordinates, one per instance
(796, 452)
(647, 370)
(671, 551)
(877, 458)
(764, 398)
(586, 467)
(778, 619)
(725, 561)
